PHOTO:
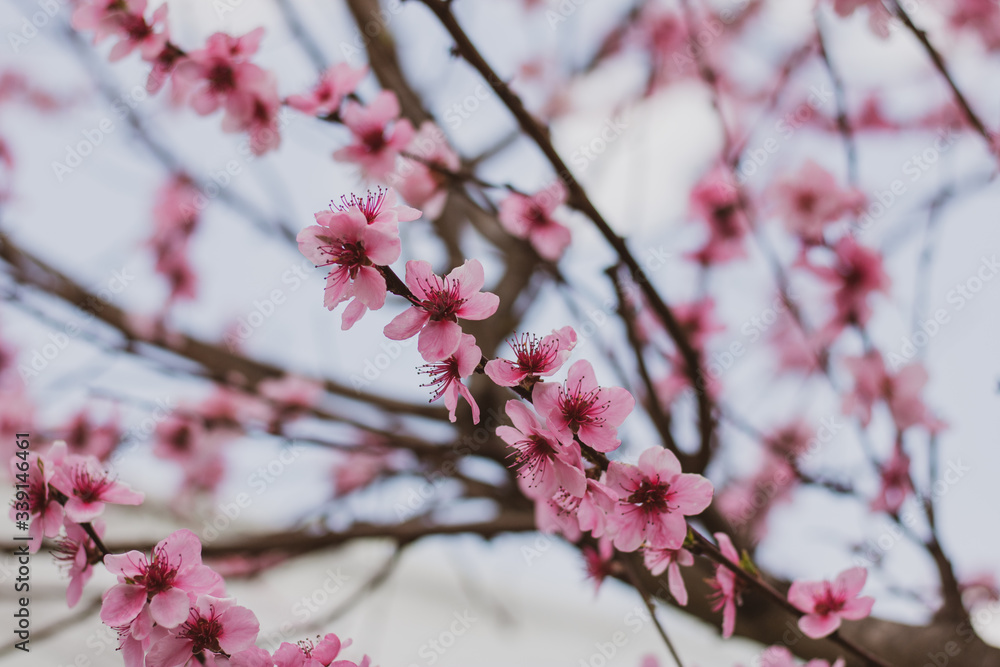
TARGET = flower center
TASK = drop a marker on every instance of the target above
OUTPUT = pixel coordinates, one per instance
(371, 205)
(87, 487)
(533, 356)
(828, 603)
(442, 301)
(652, 496)
(157, 576)
(204, 632)
(581, 408)
(441, 374)
(221, 78)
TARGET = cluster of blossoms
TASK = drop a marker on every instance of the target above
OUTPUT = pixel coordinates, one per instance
(168, 608)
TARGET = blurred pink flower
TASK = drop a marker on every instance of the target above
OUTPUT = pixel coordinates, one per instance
(826, 603)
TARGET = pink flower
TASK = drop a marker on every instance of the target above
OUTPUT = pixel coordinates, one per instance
(534, 357)
(572, 515)
(375, 146)
(531, 218)
(879, 18)
(44, 512)
(178, 437)
(779, 656)
(440, 303)
(214, 625)
(895, 484)
(698, 321)
(380, 209)
(337, 82)
(211, 76)
(716, 201)
(163, 581)
(808, 200)
(82, 436)
(826, 603)
(123, 18)
(581, 407)
(344, 241)
(670, 560)
(78, 553)
(901, 392)
(599, 562)
(254, 108)
(446, 376)
(726, 586)
(653, 499)
(856, 273)
(544, 464)
(88, 487)
(418, 183)
(306, 654)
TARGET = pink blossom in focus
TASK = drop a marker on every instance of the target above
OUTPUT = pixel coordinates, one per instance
(376, 145)
(44, 512)
(337, 82)
(534, 357)
(446, 376)
(532, 218)
(88, 487)
(162, 580)
(214, 625)
(825, 603)
(352, 249)
(653, 499)
(306, 654)
(670, 560)
(544, 464)
(440, 303)
(579, 406)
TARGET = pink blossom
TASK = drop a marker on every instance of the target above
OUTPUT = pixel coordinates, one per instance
(895, 484)
(163, 581)
(579, 406)
(779, 656)
(376, 146)
(599, 563)
(306, 654)
(531, 217)
(214, 625)
(726, 586)
(572, 515)
(826, 603)
(544, 464)
(446, 376)
(440, 303)
(88, 487)
(337, 82)
(879, 18)
(809, 199)
(420, 184)
(78, 552)
(533, 357)
(653, 499)
(82, 436)
(698, 321)
(855, 274)
(901, 391)
(670, 560)
(715, 200)
(254, 108)
(981, 16)
(212, 76)
(380, 209)
(44, 512)
(178, 437)
(344, 241)
(123, 18)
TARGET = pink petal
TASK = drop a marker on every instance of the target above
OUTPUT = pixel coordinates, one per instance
(692, 493)
(850, 582)
(469, 276)
(676, 583)
(803, 594)
(170, 608)
(407, 324)
(620, 403)
(126, 564)
(522, 417)
(657, 461)
(816, 626)
(240, 628)
(418, 274)
(369, 287)
(601, 437)
(858, 608)
(169, 652)
(504, 373)
(122, 603)
(479, 306)
(581, 375)
(438, 340)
